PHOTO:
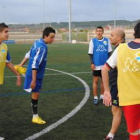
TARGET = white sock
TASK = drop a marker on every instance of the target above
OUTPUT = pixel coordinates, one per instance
(111, 135)
(35, 115)
(95, 97)
(101, 96)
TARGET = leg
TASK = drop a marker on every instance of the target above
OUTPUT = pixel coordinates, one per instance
(35, 95)
(95, 87)
(117, 113)
(101, 90)
(34, 102)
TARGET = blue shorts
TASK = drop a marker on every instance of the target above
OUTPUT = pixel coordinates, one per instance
(27, 83)
(114, 95)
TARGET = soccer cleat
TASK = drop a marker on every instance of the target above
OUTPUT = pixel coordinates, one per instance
(95, 101)
(20, 69)
(38, 120)
(108, 138)
(1, 138)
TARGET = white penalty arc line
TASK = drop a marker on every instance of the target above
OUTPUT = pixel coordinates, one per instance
(69, 115)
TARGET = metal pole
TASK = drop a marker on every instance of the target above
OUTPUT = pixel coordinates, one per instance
(50, 22)
(114, 13)
(4, 15)
(69, 21)
(43, 15)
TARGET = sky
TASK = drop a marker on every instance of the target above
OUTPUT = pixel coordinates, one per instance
(47, 11)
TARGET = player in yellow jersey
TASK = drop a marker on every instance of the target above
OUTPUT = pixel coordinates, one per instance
(5, 59)
(117, 36)
(127, 59)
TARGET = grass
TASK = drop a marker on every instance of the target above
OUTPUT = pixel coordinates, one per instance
(60, 94)
(79, 36)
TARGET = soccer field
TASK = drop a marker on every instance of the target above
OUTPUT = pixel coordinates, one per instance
(61, 93)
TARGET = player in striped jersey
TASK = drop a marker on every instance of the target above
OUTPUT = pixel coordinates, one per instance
(35, 71)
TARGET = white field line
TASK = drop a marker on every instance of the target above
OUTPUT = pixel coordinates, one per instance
(76, 73)
(69, 115)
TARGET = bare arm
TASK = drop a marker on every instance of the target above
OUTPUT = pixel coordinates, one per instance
(23, 61)
(105, 77)
(11, 67)
(91, 61)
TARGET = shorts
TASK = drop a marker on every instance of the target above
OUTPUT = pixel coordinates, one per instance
(114, 95)
(28, 81)
(97, 73)
(132, 117)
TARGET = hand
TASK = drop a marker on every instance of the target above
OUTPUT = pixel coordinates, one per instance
(20, 65)
(18, 82)
(92, 66)
(33, 84)
(107, 99)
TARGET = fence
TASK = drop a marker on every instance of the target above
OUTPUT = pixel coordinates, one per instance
(128, 32)
(28, 37)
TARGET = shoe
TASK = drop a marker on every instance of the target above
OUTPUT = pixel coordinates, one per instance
(95, 101)
(108, 138)
(1, 138)
(38, 120)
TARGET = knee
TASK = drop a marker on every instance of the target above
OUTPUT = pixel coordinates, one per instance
(116, 111)
(95, 81)
(35, 96)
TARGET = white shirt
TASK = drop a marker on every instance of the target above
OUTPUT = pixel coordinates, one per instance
(112, 61)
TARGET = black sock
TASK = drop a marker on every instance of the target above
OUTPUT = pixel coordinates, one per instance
(34, 105)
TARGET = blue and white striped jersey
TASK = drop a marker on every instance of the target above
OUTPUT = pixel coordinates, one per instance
(37, 58)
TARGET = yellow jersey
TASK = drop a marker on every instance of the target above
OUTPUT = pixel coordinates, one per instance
(128, 63)
(3, 55)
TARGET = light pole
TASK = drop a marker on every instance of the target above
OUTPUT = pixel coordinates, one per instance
(114, 13)
(43, 15)
(50, 22)
(4, 17)
(69, 21)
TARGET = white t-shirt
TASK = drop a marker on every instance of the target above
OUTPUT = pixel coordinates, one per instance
(27, 55)
(112, 61)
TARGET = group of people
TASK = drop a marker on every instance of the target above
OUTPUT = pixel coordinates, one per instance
(119, 74)
(37, 57)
